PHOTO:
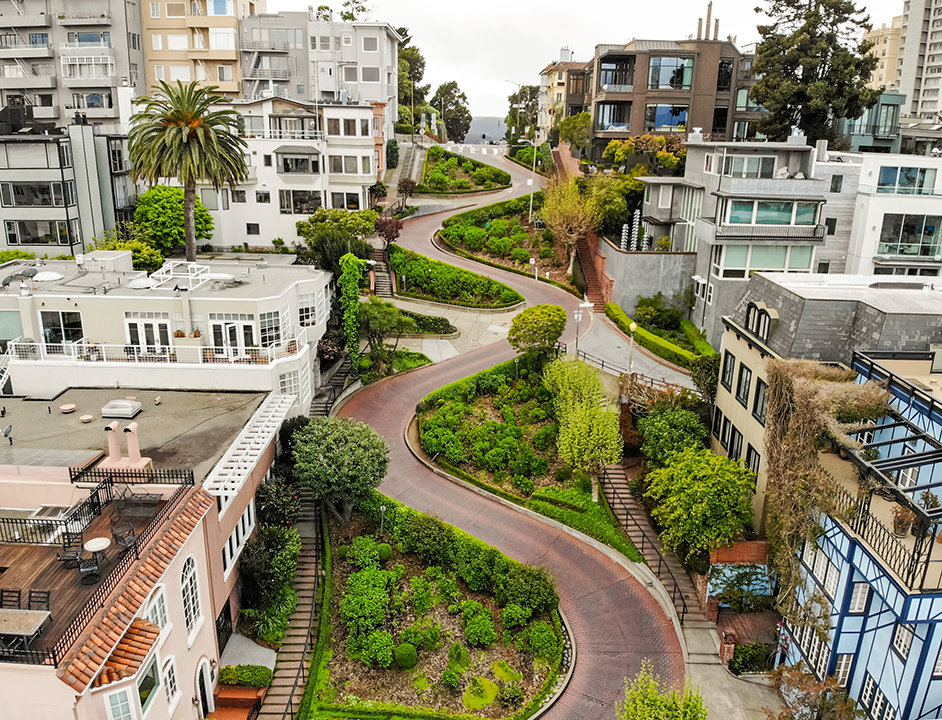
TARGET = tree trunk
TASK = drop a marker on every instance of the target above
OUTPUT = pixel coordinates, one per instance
(333, 509)
(572, 259)
(594, 476)
(189, 219)
(392, 360)
(347, 511)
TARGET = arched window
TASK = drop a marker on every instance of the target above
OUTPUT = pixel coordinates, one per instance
(759, 320)
(191, 595)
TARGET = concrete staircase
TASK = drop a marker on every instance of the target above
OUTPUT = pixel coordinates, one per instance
(664, 564)
(286, 688)
(324, 399)
(381, 272)
(593, 287)
(405, 159)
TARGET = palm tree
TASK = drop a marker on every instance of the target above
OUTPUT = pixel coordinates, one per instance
(178, 134)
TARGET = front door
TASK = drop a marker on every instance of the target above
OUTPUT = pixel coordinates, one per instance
(232, 338)
(205, 691)
(150, 336)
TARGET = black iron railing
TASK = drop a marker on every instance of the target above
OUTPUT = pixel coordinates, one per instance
(661, 569)
(796, 232)
(600, 363)
(48, 530)
(131, 476)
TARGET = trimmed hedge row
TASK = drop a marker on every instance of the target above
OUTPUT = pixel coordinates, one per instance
(500, 209)
(659, 346)
(323, 628)
(696, 339)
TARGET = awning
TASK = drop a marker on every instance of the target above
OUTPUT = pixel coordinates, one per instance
(297, 150)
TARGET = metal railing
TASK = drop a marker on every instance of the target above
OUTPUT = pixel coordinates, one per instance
(251, 134)
(49, 530)
(260, 74)
(291, 711)
(600, 363)
(662, 570)
(25, 46)
(132, 476)
(771, 231)
(264, 45)
(391, 210)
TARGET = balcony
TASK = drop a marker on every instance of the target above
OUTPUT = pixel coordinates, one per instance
(68, 47)
(749, 187)
(25, 21)
(84, 19)
(259, 74)
(264, 46)
(26, 50)
(284, 134)
(767, 232)
(105, 81)
(877, 130)
(31, 82)
(50, 112)
(616, 89)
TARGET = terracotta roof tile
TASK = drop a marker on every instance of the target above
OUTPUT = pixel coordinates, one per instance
(115, 640)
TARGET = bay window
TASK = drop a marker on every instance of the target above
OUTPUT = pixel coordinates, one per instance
(772, 212)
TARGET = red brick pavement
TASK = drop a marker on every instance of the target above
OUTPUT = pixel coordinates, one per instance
(615, 621)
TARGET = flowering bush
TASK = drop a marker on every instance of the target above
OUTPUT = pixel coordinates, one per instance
(328, 351)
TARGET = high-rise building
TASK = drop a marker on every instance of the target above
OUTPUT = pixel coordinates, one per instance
(886, 42)
(66, 58)
(920, 56)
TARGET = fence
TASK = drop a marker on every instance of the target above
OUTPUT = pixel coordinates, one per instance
(49, 530)
(131, 476)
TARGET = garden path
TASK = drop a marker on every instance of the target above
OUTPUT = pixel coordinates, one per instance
(615, 620)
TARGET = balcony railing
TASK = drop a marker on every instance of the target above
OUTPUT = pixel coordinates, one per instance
(284, 134)
(257, 74)
(131, 476)
(875, 129)
(25, 46)
(49, 530)
(616, 88)
(265, 45)
(86, 44)
(762, 232)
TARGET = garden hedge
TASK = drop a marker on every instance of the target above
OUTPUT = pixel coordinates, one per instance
(659, 346)
(696, 339)
(253, 676)
(496, 210)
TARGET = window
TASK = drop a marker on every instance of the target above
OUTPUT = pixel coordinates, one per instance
(61, 327)
(824, 267)
(743, 385)
(729, 365)
(664, 196)
(365, 127)
(858, 598)
(720, 120)
(837, 183)
(915, 235)
(903, 640)
(262, 196)
(740, 261)
(192, 613)
(758, 405)
(288, 383)
(325, 43)
(266, 160)
(749, 166)
(171, 686)
(370, 44)
(724, 76)
(85, 67)
(735, 443)
(771, 212)
(251, 229)
(177, 42)
(349, 73)
(866, 693)
(155, 9)
(842, 669)
(147, 684)
(352, 201)
(300, 164)
(752, 460)
(333, 126)
(180, 72)
(224, 73)
(369, 74)
(613, 116)
(119, 706)
(831, 225)
(758, 320)
(157, 612)
(717, 421)
(745, 103)
(670, 73)
(222, 38)
(209, 198)
(350, 127)
(666, 118)
(309, 311)
(238, 196)
(157, 41)
(33, 194)
(158, 72)
(365, 164)
(347, 40)
(937, 668)
(709, 297)
(240, 534)
(906, 180)
(270, 327)
(724, 436)
(299, 202)
(221, 7)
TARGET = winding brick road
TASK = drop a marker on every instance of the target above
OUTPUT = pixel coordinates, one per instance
(615, 621)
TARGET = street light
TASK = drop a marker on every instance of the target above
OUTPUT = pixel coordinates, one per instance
(631, 347)
(577, 314)
(536, 270)
(382, 518)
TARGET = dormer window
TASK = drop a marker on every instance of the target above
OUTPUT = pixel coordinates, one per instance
(759, 320)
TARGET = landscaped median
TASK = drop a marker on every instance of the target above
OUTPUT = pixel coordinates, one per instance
(447, 173)
(660, 346)
(428, 622)
(498, 430)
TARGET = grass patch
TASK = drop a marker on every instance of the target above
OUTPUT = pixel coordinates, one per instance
(420, 683)
(480, 693)
(504, 672)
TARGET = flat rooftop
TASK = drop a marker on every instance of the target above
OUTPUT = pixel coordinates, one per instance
(257, 277)
(187, 430)
(887, 293)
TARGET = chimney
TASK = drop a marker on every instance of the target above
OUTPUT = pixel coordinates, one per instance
(821, 151)
(134, 445)
(709, 15)
(114, 445)
(699, 28)
(565, 54)
(716, 29)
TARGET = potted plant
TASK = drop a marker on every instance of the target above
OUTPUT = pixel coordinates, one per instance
(903, 519)
(195, 334)
(179, 334)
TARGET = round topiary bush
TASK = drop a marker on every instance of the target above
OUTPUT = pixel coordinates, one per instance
(342, 551)
(406, 656)
(385, 551)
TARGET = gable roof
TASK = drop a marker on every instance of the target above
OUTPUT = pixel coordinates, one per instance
(128, 655)
(107, 627)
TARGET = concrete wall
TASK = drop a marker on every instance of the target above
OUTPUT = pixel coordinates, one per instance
(645, 274)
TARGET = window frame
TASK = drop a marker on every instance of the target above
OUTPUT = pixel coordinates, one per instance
(143, 674)
(110, 708)
(762, 388)
(743, 378)
(192, 603)
(903, 637)
(857, 605)
(171, 681)
(729, 370)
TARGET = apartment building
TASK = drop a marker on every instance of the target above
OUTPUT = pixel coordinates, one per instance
(59, 192)
(920, 56)
(878, 129)
(227, 325)
(886, 48)
(64, 58)
(196, 40)
(142, 635)
(301, 156)
(563, 92)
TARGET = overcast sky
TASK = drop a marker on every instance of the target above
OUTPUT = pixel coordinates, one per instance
(483, 43)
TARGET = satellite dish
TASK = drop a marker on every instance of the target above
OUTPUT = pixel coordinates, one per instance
(7, 280)
(7, 430)
(30, 273)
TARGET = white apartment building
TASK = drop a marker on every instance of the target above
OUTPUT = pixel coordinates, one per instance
(301, 157)
(97, 322)
(920, 56)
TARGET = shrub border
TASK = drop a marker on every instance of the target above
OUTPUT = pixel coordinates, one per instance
(472, 191)
(496, 188)
(657, 345)
(522, 164)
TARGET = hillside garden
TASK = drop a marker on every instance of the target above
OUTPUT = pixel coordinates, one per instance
(446, 172)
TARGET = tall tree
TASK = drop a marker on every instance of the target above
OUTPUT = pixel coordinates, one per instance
(575, 130)
(179, 135)
(355, 10)
(380, 319)
(568, 214)
(589, 439)
(453, 105)
(813, 69)
(522, 113)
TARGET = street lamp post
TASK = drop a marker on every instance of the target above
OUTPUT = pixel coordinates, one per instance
(577, 314)
(631, 347)
(536, 270)
(382, 518)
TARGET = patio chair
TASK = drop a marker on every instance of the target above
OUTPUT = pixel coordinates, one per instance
(71, 550)
(9, 645)
(10, 599)
(89, 569)
(124, 535)
(38, 600)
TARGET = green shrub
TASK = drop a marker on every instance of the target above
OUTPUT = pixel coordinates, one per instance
(528, 586)
(229, 675)
(542, 641)
(364, 552)
(253, 676)
(546, 253)
(432, 637)
(451, 678)
(365, 605)
(524, 484)
(342, 551)
(563, 474)
(668, 430)
(696, 338)
(385, 552)
(548, 236)
(514, 615)
(654, 312)
(659, 346)
(545, 436)
(458, 656)
(406, 656)
(748, 658)
(520, 255)
(378, 649)
(479, 631)
(421, 596)
(412, 635)
(509, 695)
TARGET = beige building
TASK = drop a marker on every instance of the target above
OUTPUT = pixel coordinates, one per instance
(196, 40)
(885, 41)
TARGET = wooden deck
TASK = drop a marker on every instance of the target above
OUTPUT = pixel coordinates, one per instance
(35, 566)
